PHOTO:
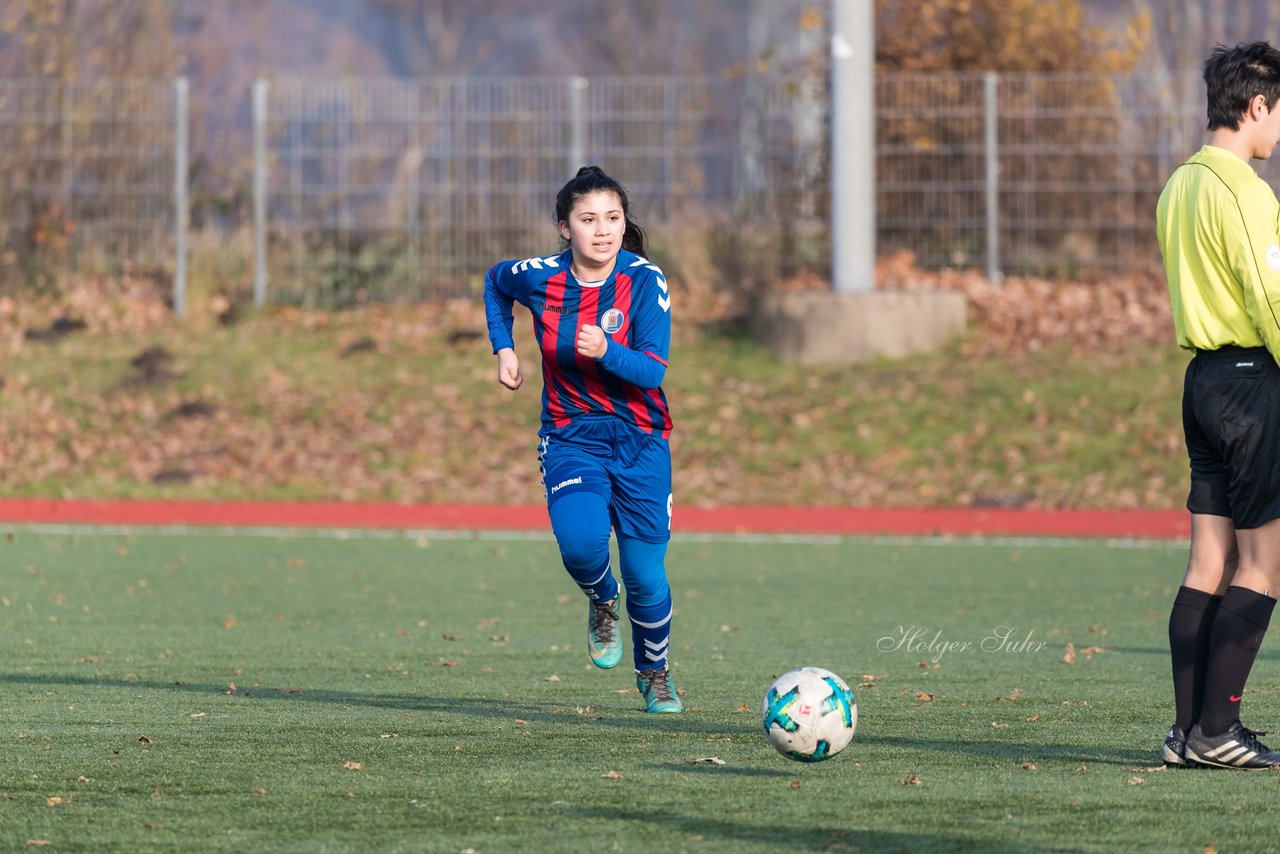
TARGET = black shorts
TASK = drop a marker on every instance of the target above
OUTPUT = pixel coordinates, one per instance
(1231, 419)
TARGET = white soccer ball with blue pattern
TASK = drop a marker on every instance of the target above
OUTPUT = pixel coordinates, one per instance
(809, 714)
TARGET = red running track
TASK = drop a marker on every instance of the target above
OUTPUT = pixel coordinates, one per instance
(966, 521)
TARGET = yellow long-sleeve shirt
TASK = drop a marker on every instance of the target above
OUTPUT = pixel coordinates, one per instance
(1218, 224)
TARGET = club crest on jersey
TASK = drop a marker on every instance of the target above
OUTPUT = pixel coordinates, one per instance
(611, 321)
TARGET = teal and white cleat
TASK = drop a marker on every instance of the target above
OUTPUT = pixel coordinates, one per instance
(603, 642)
(659, 691)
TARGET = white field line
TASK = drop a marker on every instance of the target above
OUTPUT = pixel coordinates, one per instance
(285, 533)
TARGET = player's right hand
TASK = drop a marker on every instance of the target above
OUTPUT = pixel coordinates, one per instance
(509, 369)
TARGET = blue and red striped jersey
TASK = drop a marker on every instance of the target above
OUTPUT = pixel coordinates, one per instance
(632, 306)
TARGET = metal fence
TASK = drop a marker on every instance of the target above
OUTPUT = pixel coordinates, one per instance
(378, 189)
(1053, 174)
(409, 189)
(89, 178)
(381, 189)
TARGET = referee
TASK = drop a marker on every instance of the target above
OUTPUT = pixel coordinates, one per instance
(1218, 222)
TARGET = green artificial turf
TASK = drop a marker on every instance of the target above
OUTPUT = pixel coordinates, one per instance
(205, 691)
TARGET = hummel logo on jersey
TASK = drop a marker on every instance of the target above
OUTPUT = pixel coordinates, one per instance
(539, 304)
(1244, 364)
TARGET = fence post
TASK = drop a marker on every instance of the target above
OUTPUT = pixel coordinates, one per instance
(181, 133)
(991, 122)
(260, 193)
(577, 124)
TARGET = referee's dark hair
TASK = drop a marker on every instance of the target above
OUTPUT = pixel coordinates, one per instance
(1234, 75)
(591, 179)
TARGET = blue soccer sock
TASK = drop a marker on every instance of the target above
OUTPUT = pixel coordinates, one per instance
(580, 522)
(649, 605)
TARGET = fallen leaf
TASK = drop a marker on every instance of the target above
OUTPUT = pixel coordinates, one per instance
(707, 760)
(998, 725)
(39, 843)
(90, 660)
(913, 780)
(924, 698)
(1136, 781)
(611, 775)
(1092, 650)
(352, 766)
(1033, 718)
(1012, 697)
(82, 779)
(229, 623)
(1028, 766)
(521, 721)
(142, 739)
(1069, 656)
(552, 678)
(258, 790)
(793, 784)
(743, 707)
(447, 662)
(54, 801)
(198, 714)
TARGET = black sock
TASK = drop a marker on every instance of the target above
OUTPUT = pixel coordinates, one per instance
(1238, 629)
(1190, 627)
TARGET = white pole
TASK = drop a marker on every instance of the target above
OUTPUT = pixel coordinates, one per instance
(577, 125)
(991, 121)
(853, 146)
(181, 112)
(260, 193)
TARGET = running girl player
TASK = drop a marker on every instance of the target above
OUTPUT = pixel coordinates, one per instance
(602, 320)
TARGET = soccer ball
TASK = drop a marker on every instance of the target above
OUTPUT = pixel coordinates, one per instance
(809, 714)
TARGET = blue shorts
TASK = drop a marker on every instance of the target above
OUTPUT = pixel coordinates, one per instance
(629, 468)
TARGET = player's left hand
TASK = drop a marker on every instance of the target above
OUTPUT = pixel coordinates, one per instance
(591, 342)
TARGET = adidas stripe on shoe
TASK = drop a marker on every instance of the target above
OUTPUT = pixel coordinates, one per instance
(1237, 748)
